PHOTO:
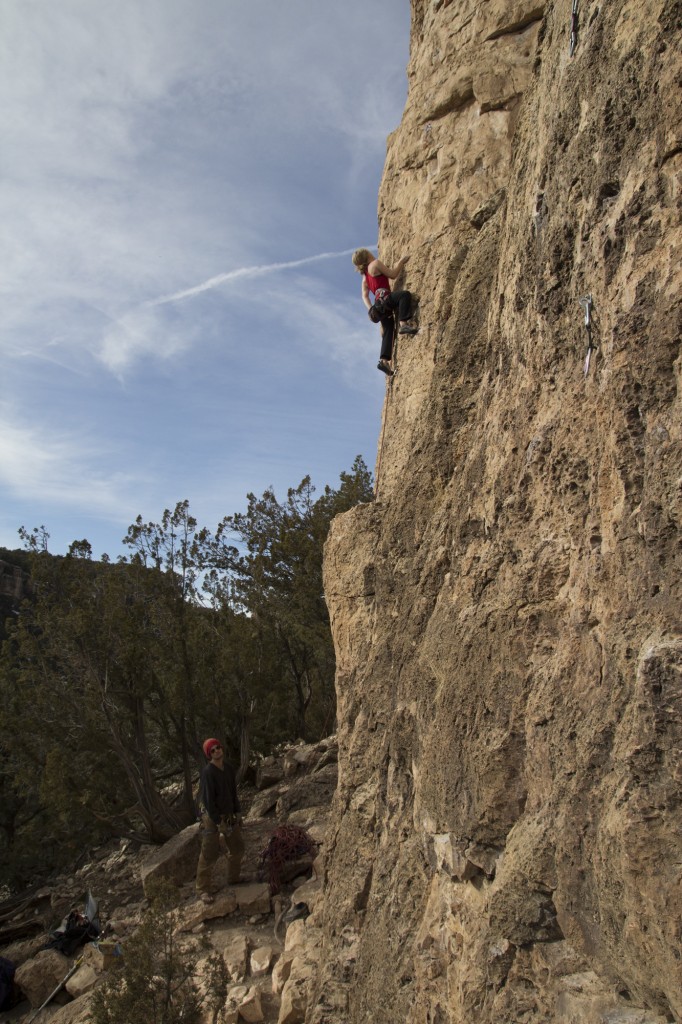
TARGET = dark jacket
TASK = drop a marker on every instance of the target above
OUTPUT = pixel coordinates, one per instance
(218, 792)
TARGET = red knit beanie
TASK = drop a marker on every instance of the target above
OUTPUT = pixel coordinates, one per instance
(209, 745)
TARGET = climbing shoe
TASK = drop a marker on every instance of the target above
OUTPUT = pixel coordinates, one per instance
(406, 329)
(384, 367)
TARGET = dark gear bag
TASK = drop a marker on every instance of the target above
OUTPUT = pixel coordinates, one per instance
(381, 310)
(74, 931)
(8, 990)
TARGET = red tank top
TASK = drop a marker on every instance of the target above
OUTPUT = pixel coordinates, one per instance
(379, 283)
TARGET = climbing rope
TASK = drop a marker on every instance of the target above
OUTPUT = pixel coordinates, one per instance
(287, 843)
(390, 389)
(381, 441)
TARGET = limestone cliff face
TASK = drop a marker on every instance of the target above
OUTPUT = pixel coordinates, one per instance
(507, 840)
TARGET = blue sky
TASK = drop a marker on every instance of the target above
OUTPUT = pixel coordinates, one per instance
(182, 182)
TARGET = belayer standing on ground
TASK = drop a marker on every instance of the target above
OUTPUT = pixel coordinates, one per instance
(376, 279)
(220, 819)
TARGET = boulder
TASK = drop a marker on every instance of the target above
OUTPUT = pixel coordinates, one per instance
(25, 949)
(281, 972)
(310, 893)
(39, 977)
(176, 860)
(196, 913)
(250, 1008)
(270, 772)
(76, 1012)
(330, 756)
(291, 766)
(261, 958)
(296, 936)
(295, 992)
(253, 899)
(237, 993)
(264, 803)
(85, 979)
(302, 947)
(236, 957)
(311, 791)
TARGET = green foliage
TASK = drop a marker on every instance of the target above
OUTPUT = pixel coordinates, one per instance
(114, 673)
(156, 984)
(278, 581)
(83, 720)
(16, 556)
(9, 604)
(217, 979)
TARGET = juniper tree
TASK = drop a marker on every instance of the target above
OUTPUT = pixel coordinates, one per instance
(157, 982)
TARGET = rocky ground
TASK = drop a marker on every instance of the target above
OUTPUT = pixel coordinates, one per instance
(267, 947)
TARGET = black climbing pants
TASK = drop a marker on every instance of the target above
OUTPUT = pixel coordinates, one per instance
(402, 302)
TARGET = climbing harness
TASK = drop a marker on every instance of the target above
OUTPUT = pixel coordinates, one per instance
(586, 304)
(574, 28)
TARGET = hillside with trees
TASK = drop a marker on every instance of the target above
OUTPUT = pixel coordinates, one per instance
(114, 672)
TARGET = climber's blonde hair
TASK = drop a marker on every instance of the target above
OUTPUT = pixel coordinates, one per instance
(362, 259)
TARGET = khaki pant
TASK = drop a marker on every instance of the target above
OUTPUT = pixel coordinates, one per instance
(210, 850)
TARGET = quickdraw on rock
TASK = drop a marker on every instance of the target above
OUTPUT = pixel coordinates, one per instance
(586, 304)
(574, 29)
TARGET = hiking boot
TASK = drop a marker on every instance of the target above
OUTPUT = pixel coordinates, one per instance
(407, 329)
(384, 367)
(206, 897)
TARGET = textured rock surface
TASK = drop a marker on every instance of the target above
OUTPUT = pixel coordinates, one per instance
(39, 977)
(85, 979)
(506, 835)
(175, 861)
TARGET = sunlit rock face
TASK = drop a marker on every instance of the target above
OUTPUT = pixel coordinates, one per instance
(506, 843)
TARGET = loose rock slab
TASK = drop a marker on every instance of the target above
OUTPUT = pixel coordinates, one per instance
(196, 913)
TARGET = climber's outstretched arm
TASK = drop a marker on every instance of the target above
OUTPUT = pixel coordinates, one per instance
(377, 267)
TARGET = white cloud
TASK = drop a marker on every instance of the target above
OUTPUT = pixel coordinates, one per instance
(50, 467)
(248, 272)
(137, 334)
(167, 165)
(144, 331)
(105, 117)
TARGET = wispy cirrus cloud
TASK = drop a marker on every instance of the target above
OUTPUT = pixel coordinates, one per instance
(242, 272)
(145, 332)
(166, 167)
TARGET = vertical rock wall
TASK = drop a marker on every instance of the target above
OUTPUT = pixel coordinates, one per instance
(507, 828)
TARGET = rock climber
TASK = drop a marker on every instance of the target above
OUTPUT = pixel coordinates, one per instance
(376, 279)
(220, 829)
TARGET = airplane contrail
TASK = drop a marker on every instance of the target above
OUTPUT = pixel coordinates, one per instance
(232, 275)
